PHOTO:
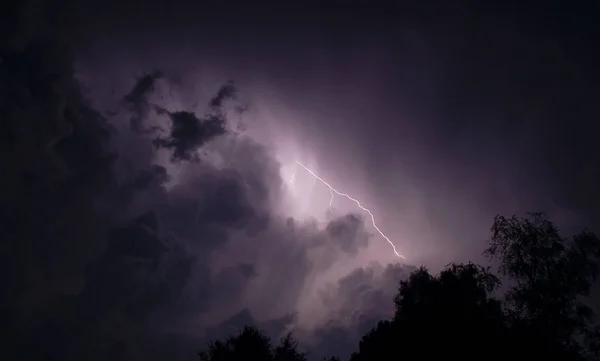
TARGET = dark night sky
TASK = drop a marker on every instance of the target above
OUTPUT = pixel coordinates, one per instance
(435, 117)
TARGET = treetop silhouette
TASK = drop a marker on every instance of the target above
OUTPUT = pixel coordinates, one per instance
(455, 314)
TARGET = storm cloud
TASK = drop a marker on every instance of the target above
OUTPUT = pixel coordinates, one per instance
(146, 203)
(108, 251)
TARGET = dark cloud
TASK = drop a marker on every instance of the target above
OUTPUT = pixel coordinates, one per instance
(349, 232)
(57, 164)
(360, 299)
(109, 261)
(138, 99)
(232, 325)
(231, 281)
(139, 239)
(110, 252)
(189, 133)
(227, 202)
(146, 177)
(225, 93)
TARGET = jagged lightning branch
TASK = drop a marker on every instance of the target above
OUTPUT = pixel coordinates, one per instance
(333, 190)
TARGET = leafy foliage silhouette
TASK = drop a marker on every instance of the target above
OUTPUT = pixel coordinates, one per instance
(454, 310)
(252, 344)
(455, 314)
(550, 274)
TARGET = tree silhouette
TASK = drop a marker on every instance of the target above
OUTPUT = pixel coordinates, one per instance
(252, 344)
(453, 311)
(454, 314)
(550, 274)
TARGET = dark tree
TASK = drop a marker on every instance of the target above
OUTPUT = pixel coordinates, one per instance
(543, 316)
(451, 315)
(252, 344)
(550, 276)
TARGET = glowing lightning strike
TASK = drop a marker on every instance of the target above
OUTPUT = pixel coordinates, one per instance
(333, 190)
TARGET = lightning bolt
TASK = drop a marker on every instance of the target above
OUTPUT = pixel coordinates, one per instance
(332, 190)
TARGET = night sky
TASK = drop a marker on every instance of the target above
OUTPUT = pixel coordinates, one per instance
(132, 232)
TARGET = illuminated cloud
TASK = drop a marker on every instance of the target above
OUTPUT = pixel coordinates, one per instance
(129, 249)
